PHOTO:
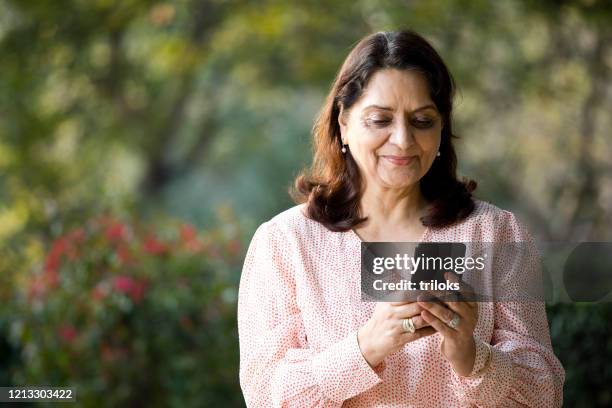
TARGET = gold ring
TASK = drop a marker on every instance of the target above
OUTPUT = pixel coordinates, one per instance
(454, 322)
(408, 325)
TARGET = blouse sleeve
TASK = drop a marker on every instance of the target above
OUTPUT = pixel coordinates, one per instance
(522, 370)
(277, 368)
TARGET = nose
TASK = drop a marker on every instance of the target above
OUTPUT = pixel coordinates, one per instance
(402, 136)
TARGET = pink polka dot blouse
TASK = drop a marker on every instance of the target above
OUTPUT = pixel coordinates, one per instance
(299, 309)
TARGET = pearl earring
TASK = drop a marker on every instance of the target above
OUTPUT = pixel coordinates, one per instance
(344, 149)
(438, 154)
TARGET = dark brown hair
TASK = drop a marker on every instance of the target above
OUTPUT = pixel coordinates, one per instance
(332, 185)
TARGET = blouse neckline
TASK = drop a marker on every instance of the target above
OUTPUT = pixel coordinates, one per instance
(355, 236)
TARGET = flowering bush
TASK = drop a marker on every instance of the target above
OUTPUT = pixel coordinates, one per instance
(131, 314)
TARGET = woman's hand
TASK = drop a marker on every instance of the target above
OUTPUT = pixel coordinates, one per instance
(383, 334)
(458, 345)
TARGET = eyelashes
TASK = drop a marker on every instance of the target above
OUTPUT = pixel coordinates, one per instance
(423, 124)
(382, 123)
(378, 123)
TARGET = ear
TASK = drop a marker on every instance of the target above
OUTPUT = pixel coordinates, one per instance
(342, 123)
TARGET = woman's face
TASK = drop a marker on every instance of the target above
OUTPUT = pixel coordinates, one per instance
(393, 131)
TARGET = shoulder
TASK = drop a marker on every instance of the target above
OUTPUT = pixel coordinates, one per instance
(485, 210)
(293, 225)
(492, 223)
(292, 217)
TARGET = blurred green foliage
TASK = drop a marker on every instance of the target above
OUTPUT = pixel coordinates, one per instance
(144, 109)
(137, 313)
(581, 336)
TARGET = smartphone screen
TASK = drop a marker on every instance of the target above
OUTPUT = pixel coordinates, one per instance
(434, 257)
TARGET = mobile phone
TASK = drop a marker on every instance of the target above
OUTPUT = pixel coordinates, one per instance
(434, 260)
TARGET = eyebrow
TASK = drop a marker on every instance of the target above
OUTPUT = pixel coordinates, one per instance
(391, 109)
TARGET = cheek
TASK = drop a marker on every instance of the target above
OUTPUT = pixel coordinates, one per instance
(368, 142)
(429, 140)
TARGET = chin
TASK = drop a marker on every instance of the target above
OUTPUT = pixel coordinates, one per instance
(399, 180)
(399, 184)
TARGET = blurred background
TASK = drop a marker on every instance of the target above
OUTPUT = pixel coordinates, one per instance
(142, 142)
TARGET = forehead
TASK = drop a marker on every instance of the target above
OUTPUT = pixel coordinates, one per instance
(401, 89)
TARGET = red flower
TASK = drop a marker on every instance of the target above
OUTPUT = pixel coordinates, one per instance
(59, 245)
(188, 233)
(123, 284)
(67, 333)
(116, 231)
(138, 291)
(153, 246)
(64, 245)
(52, 262)
(129, 286)
(58, 248)
(189, 238)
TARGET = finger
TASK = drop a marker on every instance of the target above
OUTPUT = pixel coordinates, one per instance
(455, 303)
(465, 290)
(407, 310)
(424, 332)
(417, 321)
(441, 312)
(398, 303)
(437, 324)
(461, 307)
(432, 296)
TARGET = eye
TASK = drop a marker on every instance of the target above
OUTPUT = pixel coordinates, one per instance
(377, 122)
(423, 123)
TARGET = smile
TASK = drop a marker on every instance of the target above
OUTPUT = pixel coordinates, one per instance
(400, 160)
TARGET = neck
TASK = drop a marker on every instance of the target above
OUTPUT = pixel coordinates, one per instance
(393, 207)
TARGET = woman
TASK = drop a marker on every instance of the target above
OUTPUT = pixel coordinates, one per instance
(384, 170)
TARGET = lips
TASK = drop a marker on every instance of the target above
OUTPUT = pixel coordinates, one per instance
(400, 160)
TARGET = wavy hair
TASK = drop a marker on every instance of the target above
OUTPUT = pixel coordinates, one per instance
(332, 185)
